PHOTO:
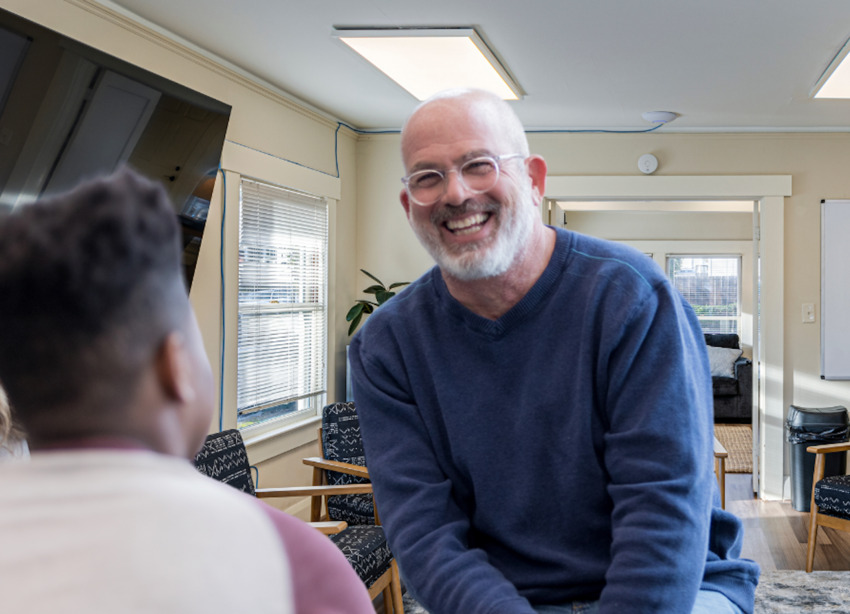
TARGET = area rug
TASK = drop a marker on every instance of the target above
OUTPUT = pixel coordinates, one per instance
(778, 592)
(738, 441)
(789, 592)
(411, 606)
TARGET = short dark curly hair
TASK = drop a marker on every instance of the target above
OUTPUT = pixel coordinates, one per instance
(90, 286)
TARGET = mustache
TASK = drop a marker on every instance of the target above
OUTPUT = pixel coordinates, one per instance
(444, 214)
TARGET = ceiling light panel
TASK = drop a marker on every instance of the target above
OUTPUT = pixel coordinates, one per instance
(425, 61)
(835, 80)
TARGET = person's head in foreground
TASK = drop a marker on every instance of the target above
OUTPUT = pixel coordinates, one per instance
(103, 364)
(99, 338)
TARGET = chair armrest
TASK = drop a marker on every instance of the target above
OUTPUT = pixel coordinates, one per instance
(330, 527)
(348, 468)
(314, 491)
(826, 448)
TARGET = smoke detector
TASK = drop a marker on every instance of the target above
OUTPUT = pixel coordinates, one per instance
(659, 117)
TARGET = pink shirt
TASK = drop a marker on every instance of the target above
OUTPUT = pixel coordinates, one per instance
(322, 579)
(323, 582)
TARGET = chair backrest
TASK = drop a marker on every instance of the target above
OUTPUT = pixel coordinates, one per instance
(225, 459)
(341, 441)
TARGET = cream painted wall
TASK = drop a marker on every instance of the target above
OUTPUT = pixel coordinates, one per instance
(816, 162)
(386, 247)
(286, 139)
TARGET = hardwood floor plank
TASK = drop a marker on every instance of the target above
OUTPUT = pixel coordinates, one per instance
(775, 534)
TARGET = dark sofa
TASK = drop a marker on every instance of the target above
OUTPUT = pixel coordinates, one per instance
(731, 380)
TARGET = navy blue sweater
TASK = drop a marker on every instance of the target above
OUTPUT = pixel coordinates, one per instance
(562, 452)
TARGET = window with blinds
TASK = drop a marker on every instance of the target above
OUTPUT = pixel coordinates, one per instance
(282, 329)
(712, 285)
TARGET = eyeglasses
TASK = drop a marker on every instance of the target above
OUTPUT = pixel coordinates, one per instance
(477, 175)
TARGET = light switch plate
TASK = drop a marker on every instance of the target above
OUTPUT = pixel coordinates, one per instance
(808, 313)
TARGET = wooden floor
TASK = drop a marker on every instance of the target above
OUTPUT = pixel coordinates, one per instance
(775, 533)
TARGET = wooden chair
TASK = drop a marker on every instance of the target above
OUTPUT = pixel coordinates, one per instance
(830, 498)
(225, 459)
(343, 464)
(720, 455)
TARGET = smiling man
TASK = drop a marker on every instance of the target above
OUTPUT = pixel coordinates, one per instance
(536, 409)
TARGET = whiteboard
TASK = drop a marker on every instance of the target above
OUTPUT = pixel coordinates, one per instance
(835, 289)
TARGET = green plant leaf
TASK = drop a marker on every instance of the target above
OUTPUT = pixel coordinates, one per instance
(355, 311)
(384, 296)
(365, 272)
(399, 284)
(354, 323)
(374, 289)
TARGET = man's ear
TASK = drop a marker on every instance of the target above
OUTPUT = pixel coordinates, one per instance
(405, 202)
(537, 173)
(174, 369)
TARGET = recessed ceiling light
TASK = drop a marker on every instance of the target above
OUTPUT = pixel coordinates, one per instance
(835, 80)
(425, 61)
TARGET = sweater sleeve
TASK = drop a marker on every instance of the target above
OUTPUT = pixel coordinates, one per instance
(322, 579)
(656, 398)
(427, 529)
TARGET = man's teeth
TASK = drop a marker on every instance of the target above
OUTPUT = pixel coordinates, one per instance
(468, 224)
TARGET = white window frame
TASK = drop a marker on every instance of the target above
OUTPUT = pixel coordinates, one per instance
(282, 335)
(217, 283)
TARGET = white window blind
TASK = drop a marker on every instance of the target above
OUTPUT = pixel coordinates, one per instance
(712, 285)
(282, 330)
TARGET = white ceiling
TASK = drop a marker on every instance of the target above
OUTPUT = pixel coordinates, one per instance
(723, 65)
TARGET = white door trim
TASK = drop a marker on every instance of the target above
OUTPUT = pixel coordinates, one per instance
(770, 191)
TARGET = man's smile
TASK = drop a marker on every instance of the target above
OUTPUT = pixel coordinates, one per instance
(468, 224)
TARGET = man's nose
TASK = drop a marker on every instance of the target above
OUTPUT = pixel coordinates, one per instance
(456, 191)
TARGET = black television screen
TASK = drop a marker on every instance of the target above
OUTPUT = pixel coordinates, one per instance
(68, 112)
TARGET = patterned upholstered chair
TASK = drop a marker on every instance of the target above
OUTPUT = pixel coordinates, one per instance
(343, 464)
(341, 442)
(830, 498)
(225, 459)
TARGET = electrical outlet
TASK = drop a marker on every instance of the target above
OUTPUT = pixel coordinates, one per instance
(808, 313)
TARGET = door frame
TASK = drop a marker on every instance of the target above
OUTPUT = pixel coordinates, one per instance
(769, 193)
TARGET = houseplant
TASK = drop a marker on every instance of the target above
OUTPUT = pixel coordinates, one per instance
(382, 294)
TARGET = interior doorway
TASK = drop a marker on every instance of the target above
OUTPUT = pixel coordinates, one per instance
(768, 194)
(708, 249)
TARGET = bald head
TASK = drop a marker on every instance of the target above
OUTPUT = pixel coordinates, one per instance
(478, 110)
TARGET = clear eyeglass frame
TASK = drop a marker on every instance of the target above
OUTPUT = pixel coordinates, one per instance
(427, 186)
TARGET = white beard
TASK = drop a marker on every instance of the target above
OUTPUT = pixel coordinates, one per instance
(483, 259)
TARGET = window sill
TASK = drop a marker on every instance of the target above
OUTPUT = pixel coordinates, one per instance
(265, 445)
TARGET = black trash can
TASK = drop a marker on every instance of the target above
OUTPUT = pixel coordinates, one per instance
(810, 426)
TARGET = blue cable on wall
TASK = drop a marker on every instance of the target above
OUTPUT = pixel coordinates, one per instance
(340, 124)
(223, 322)
(531, 131)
